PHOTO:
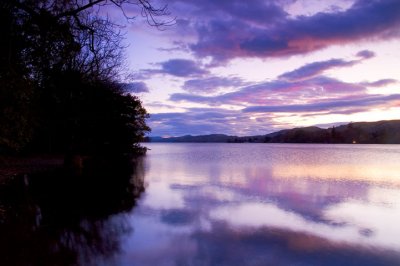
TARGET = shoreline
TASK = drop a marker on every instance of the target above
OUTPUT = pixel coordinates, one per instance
(11, 166)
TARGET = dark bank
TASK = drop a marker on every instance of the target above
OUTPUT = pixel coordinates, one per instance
(65, 216)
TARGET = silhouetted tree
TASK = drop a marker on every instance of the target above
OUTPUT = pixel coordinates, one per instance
(58, 58)
(89, 116)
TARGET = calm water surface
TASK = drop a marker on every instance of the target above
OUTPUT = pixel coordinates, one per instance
(249, 204)
(275, 204)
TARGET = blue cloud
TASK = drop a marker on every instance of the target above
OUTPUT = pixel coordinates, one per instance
(314, 69)
(182, 68)
(232, 34)
(200, 121)
(366, 101)
(380, 83)
(176, 67)
(212, 84)
(366, 54)
(277, 91)
(135, 87)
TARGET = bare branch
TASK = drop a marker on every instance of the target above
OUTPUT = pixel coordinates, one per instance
(79, 9)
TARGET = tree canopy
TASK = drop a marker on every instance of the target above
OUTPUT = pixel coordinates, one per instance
(60, 68)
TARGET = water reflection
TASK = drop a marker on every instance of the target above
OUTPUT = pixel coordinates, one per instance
(215, 204)
(252, 204)
(58, 218)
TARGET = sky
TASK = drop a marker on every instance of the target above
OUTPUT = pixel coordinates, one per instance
(253, 67)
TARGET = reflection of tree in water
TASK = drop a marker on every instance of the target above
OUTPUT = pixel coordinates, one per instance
(61, 218)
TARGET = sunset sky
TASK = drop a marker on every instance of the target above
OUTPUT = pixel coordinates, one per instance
(252, 67)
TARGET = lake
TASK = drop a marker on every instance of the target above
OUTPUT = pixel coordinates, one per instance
(254, 204)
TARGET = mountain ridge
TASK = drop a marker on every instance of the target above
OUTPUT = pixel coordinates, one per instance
(378, 132)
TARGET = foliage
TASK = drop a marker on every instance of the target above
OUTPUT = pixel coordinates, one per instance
(88, 116)
(59, 71)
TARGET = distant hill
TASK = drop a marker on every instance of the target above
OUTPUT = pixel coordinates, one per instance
(201, 138)
(380, 132)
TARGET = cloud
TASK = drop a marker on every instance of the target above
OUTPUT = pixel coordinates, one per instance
(176, 97)
(258, 12)
(380, 83)
(366, 54)
(201, 121)
(159, 104)
(177, 217)
(277, 91)
(315, 69)
(176, 67)
(213, 32)
(235, 33)
(212, 84)
(366, 101)
(182, 68)
(303, 91)
(135, 87)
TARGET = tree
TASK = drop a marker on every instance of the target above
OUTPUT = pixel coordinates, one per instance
(59, 58)
(72, 34)
(16, 88)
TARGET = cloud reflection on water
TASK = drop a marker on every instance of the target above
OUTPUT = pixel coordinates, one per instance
(274, 205)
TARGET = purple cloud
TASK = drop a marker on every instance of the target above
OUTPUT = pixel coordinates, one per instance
(135, 87)
(175, 67)
(302, 91)
(257, 12)
(159, 104)
(234, 34)
(176, 97)
(315, 69)
(212, 84)
(366, 54)
(182, 68)
(380, 83)
(366, 101)
(278, 91)
(201, 121)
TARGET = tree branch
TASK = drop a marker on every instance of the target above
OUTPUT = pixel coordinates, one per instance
(75, 11)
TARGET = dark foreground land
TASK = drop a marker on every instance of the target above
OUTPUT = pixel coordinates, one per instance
(55, 215)
(11, 166)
